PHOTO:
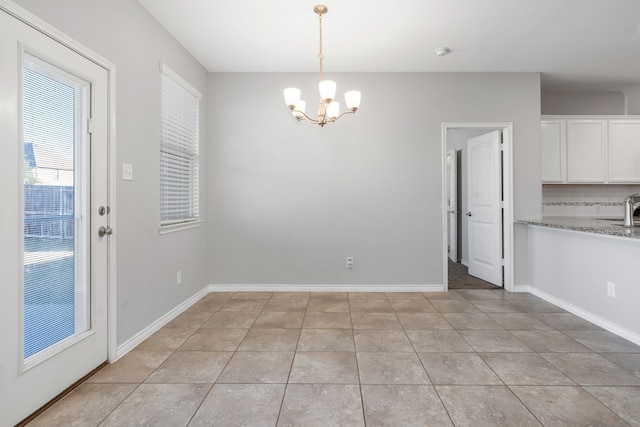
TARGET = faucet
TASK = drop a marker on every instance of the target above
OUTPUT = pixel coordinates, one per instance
(631, 203)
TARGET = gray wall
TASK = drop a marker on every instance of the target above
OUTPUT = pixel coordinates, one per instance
(124, 33)
(572, 270)
(289, 201)
(583, 103)
(633, 101)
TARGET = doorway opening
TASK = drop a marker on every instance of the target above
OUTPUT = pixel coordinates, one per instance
(477, 224)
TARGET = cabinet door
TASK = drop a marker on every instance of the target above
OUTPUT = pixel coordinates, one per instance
(624, 151)
(586, 151)
(553, 147)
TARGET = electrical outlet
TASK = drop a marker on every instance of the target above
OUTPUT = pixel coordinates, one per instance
(611, 289)
(178, 277)
(349, 263)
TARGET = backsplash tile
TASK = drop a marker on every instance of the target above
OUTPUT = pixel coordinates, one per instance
(586, 200)
(604, 209)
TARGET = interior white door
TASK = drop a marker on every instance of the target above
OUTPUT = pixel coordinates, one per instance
(484, 214)
(452, 203)
(53, 179)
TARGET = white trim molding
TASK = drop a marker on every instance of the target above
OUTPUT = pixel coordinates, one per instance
(138, 338)
(522, 288)
(588, 316)
(323, 288)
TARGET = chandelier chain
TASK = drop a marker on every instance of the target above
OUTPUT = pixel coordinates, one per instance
(320, 54)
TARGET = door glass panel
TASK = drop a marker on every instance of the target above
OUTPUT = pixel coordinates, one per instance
(56, 291)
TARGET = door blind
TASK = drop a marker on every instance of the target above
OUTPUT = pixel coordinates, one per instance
(56, 293)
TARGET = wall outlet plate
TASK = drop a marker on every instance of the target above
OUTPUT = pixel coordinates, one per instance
(127, 172)
(611, 289)
(349, 262)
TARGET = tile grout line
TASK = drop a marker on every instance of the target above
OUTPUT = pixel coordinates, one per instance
(295, 351)
(355, 355)
(154, 370)
(221, 370)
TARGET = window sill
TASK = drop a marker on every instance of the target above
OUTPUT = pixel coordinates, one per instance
(172, 228)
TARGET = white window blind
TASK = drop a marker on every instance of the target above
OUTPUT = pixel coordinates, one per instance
(56, 288)
(179, 150)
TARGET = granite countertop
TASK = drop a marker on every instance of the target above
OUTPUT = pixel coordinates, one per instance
(606, 226)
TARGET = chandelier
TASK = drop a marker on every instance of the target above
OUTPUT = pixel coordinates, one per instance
(328, 110)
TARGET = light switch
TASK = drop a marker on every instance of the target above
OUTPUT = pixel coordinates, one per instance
(127, 172)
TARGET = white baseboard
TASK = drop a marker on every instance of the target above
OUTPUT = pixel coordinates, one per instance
(132, 342)
(522, 288)
(324, 288)
(588, 316)
(464, 262)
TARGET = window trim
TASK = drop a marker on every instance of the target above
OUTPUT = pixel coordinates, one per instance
(182, 82)
(179, 226)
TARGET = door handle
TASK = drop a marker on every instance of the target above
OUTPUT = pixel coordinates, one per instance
(468, 213)
(102, 231)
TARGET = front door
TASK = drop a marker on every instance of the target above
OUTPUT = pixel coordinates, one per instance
(484, 196)
(53, 176)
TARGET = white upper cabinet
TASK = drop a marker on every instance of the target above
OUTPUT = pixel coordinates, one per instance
(624, 151)
(586, 151)
(590, 150)
(553, 146)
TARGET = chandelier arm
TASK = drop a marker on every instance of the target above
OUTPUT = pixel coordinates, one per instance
(314, 121)
(342, 114)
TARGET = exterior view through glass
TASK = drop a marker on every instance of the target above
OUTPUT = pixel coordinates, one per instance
(56, 273)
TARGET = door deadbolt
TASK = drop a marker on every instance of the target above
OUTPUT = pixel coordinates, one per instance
(102, 210)
(102, 231)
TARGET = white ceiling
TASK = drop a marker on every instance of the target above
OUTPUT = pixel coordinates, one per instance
(591, 45)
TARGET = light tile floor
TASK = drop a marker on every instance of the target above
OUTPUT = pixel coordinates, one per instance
(465, 358)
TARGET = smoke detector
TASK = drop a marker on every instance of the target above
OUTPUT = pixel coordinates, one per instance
(443, 51)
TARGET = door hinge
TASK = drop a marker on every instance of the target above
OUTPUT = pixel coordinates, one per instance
(89, 126)
(501, 205)
(502, 262)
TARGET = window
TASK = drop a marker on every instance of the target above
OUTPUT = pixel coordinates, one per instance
(56, 291)
(179, 151)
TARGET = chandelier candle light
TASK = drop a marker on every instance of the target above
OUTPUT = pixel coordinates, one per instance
(328, 110)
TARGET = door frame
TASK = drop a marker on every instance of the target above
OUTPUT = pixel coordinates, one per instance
(507, 186)
(452, 181)
(53, 33)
